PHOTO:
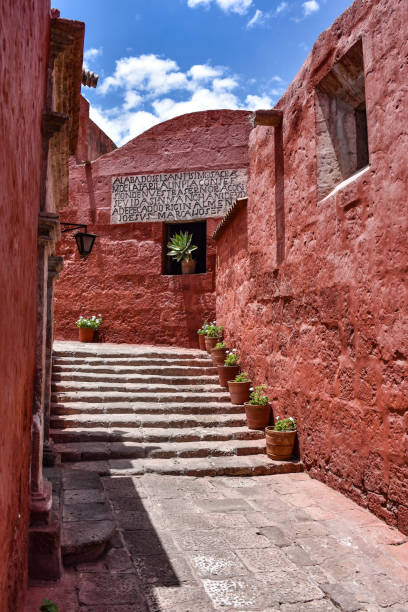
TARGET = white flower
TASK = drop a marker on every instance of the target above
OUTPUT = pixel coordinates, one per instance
(99, 315)
(291, 419)
(234, 350)
(277, 418)
(251, 388)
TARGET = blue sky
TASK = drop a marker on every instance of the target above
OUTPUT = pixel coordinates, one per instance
(157, 59)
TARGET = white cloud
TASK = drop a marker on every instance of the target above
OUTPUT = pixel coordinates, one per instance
(257, 19)
(228, 6)
(147, 72)
(255, 102)
(202, 72)
(260, 18)
(90, 55)
(310, 7)
(149, 89)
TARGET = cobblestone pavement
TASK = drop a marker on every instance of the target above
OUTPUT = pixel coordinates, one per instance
(265, 543)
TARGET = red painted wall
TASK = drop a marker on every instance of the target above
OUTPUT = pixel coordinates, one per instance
(24, 31)
(326, 327)
(122, 278)
(92, 141)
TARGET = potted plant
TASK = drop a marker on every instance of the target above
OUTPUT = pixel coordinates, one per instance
(258, 409)
(201, 335)
(213, 335)
(219, 353)
(180, 249)
(239, 388)
(230, 369)
(280, 439)
(87, 327)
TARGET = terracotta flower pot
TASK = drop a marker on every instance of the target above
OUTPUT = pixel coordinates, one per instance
(227, 373)
(218, 355)
(239, 391)
(279, 444)
(257, 416)
(86, 334)
(201, 341)
(188, 267)
(211, 342)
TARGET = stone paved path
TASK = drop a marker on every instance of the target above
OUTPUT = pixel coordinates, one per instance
(265, 543)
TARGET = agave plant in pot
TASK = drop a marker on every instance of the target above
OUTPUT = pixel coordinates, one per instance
(219, 353)
(239, 388)
(180, 249)
(213, 335)
(87, 327)
(230, 369)
(258, 409)
(280, 439)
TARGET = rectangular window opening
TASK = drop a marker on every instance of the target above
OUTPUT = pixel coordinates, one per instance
(199, 231)
(341, 121)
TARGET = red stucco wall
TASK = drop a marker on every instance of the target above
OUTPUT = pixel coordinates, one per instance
(122, 278)
(326, 328)
(24, 34)
(92, 141)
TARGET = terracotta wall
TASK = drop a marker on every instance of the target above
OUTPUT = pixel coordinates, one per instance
(317, 300)
(24, 32)
(92, 141)
(122, 278)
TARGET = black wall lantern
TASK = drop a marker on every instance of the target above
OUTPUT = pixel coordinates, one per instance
(83, 240)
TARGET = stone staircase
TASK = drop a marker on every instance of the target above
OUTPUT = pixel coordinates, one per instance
(131, 409)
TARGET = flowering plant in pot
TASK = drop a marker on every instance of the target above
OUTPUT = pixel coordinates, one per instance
(280, 438)
(239, 388)
(201, 335)
(219, 353)
(88, 326)
(230, 369)
(180, 249)
(258, 409)
(213, 335)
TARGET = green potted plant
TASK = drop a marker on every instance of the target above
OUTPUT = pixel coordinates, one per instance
(213, 335)
(257, 408)
(280, 439)
(239, 388)
(180, 249)
(230, 369)
(201, 335)
(218, 353)
(87, 327)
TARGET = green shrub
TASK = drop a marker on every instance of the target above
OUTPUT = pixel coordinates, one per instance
(242, 377)
(214, 331)
(288, 424)
(258, 397)
(180, 246)
(48, 606)
(220, 345)
(90, 323)
(232, 358)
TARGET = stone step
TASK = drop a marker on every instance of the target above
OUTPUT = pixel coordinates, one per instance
(87, 522)
(148, 408)
(62, 387)
(173, 421)
(100, 351)
(96, 451)
(118, 381)
(102, 397)
(165, 370)
(203, 362)
(250, 465)
(154, 434)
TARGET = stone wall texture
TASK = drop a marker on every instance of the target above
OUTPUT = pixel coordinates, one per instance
(313, 293)
(92, 141)
(24, 32)
(122, 278)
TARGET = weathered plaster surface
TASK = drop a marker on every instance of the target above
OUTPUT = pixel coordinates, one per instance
(24, 32)
(122, 278)
(314, 294)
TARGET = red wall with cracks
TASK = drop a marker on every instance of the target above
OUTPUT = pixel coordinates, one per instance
(24, 31)
(122, 278)
(314, 294)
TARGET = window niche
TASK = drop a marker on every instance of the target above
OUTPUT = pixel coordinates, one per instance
(199, 231)
(341, 121)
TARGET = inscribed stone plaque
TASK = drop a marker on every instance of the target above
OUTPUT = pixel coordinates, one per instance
(176, 197)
